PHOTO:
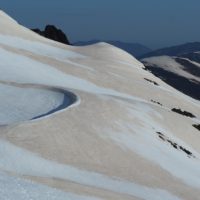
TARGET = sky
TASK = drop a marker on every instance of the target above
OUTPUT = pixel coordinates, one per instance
(154, 23)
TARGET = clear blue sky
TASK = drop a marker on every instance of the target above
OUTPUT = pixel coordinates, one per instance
(155, 23)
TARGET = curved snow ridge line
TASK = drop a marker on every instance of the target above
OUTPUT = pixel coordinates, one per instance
(34, 102)
(30, 164)
(69, 100)
(28, 71)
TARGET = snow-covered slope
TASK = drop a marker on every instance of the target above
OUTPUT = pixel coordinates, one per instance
(170, 64)
(182, 72)
(90, 123)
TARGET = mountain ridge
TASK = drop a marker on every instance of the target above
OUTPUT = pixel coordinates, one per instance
(134, 49)
(174, 50)
(178, 66)
(117, 140)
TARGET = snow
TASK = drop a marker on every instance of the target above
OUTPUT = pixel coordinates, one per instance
(79, 65)
(38, 73)
(100, 139)
(193, 62)
(17, 160)
(141, 138)
(4, 18)
(12, 188)
(43, 49)
(20, 104)
(21, 69)
(169, 64)
(38, 48)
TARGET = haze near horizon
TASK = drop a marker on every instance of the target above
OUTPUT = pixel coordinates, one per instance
(154, 23)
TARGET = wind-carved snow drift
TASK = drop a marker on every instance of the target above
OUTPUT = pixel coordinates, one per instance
(91, 123)
(19, 104)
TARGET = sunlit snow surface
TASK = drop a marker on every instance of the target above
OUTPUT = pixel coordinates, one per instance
(15, 69)
(23, 162)
(38, 48)
(138, 136)
(12, 188)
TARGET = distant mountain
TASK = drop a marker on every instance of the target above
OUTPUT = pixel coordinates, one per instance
(53, 33)
(178, 66)
(134, 49)
(174, 50)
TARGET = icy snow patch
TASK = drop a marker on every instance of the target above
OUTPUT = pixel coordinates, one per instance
(19, 104)
(15, 159)
(12, 188)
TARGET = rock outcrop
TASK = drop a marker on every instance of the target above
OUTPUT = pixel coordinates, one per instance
(51, 32)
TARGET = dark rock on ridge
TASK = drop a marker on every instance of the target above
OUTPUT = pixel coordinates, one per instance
(51, 32)
(151, 81)
(185, 113)
(175, 145)
(197, 126)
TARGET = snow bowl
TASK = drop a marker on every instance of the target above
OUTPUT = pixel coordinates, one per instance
(20, 103)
